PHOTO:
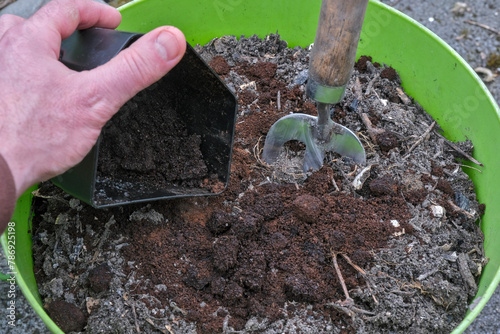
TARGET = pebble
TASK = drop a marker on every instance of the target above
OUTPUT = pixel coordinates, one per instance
(437, 211)
(301, 78)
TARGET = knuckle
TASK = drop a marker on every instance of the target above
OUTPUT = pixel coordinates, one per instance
(137, 68)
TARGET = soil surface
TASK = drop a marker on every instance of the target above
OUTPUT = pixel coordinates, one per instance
(392, 246)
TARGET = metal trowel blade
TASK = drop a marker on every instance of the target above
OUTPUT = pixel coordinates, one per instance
(300, 127)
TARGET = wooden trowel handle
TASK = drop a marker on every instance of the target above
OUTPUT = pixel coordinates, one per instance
(334, 51)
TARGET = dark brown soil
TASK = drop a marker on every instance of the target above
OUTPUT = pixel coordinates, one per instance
(272, 252)
(67, 316)
(148, 144)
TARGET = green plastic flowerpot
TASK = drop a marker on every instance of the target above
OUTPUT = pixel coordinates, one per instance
(433, 73)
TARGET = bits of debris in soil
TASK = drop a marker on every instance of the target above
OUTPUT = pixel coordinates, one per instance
(258, 258)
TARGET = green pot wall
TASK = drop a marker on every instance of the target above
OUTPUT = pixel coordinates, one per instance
(435, 75)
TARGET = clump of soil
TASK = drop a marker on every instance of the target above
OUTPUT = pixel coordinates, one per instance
(392, 246)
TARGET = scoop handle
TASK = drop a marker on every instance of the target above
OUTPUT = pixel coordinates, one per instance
(334, 51)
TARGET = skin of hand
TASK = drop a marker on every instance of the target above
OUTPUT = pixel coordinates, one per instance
(51, 116)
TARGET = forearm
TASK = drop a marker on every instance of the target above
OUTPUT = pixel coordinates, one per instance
(7, 194)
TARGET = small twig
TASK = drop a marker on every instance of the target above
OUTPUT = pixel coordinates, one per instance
(459, 150)
(103, 238)
(427, 274)
(178, 309)
(363, 273)
(488, 74)
(459, 209)
(278, 100)
(484, 26)
(342, 309)
(355, 266)
(358, 89)
(257, 151)
(480, 171)
(367, 141)
(373, 132)
(349, 310)
(422, 137)
(403, 96)
(370, 84)
(169, 329)
(360, 310)
(135, 319)
(403, 293)
(339, 274)
(464, 270)
(335, 185)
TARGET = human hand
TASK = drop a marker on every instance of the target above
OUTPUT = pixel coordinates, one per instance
(51, 116)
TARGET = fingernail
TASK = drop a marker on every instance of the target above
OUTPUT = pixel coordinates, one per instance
(167, 45)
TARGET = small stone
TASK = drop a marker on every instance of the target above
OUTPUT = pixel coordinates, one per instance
(462, 201)
(301, 77)
(56, 287)
(451, 257)
(437, 211)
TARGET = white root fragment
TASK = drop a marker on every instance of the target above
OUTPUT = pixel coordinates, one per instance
(248, 85)
(360, 179)
(488, 74)
(404, 98)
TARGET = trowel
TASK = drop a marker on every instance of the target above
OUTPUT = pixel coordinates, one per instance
(330, 67)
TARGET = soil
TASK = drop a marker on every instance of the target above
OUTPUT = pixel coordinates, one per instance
(393, 246)
(146, 150)
(135, 148)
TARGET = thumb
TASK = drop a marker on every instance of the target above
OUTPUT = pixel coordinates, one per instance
(143, 63)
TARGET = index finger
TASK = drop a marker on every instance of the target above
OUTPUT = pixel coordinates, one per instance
(58, 19)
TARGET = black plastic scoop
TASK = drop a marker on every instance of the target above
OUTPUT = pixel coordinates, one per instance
(191, 89)
(330, 67)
